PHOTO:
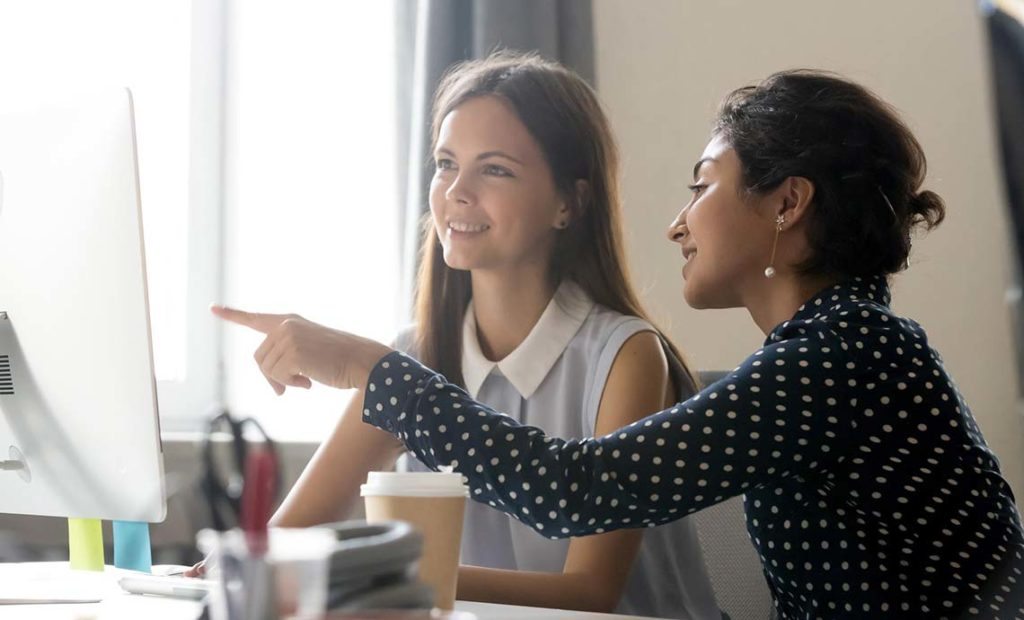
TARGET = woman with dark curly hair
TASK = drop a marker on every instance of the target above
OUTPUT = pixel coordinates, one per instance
(869, 488)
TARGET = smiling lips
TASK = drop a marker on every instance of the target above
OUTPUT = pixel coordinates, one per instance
(466, 227)
(688, 254)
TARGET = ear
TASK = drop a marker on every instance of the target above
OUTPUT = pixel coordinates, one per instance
(573, 205)
(796, 196)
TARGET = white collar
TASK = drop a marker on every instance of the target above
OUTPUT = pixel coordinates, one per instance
(528, 365)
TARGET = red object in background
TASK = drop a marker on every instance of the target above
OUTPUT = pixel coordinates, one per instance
(257, 498)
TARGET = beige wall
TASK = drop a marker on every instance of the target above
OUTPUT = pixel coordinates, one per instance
(662, 67)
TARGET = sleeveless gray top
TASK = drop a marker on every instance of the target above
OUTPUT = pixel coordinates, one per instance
(554, 380)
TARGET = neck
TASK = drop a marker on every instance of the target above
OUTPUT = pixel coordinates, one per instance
(507, 306)
(778, 299)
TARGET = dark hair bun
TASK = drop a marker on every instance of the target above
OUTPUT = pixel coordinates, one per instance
(927, 209)
(866, 165)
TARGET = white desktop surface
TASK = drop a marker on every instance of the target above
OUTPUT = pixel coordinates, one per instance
(494, 611)
(21, 579)
(40, 578)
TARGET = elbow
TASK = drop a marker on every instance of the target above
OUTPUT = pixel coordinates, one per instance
(598, 600)
(594, 592)
(604, 604)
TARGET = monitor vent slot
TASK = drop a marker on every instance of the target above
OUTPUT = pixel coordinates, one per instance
(6, 379)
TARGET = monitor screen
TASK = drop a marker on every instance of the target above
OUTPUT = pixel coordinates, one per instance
(79, 431)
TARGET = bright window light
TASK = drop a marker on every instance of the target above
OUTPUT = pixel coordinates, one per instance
(311, 221)
(145, 46)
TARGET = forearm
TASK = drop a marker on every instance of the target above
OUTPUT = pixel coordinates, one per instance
(555, 486)
(317, 498)
(328, 489)
(534, 589)
(670, 464)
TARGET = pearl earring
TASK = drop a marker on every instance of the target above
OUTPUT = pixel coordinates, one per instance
(769, 271)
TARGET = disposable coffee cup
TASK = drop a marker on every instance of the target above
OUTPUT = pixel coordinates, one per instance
(434, 503)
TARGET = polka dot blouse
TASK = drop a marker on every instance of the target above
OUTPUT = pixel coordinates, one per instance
(869, 490)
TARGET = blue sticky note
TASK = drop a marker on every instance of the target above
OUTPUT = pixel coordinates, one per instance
(131, 546)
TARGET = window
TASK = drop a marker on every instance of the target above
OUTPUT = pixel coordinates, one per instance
(267, 163)
(144, 46)
(310, 223)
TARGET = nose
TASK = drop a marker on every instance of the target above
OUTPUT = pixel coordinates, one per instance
(459, 190)
(677, 229)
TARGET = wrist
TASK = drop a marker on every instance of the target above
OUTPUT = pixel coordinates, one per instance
(370, 354)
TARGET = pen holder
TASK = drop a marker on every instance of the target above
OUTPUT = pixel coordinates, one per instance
(289, 580)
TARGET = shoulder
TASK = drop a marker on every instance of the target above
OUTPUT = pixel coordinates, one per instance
(604, 328)
(405, 340)
(601, 337)
(641, 355)
(631, 359)
(857, 330)
(636, 382)
(611, 330)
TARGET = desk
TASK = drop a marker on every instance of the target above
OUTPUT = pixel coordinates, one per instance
(34, 578)
(494, 611)
(119, 605)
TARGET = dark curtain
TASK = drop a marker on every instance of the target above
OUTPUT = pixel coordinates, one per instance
(433, 35)
(1006, 48)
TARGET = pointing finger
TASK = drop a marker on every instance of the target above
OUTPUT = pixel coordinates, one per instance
(264, 323)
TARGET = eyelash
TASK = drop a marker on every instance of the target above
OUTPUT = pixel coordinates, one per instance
(491, 169)
(497, 171)
(697, 188)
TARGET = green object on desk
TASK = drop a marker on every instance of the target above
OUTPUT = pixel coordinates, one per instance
(131, 546)
(85, 543)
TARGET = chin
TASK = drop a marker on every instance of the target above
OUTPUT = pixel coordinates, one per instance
(455, 260)
(692, 297)
(465, 263)
(695, 303)
(457, 265)
(703, 298)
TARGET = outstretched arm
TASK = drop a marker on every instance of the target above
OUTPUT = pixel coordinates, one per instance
(753, 427)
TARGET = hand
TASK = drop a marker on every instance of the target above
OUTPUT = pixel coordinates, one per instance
(197, 571)
(297, 352)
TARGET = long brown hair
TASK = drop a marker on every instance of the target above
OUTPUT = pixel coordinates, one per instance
(563, 115)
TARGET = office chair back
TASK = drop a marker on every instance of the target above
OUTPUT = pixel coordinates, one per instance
(733, 565)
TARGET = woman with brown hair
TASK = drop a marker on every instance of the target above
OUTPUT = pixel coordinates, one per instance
(523, 300)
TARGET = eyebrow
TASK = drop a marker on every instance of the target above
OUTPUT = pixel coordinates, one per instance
(701, 162)
(485, 155)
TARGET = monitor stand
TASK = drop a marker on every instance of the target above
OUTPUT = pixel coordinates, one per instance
(132, 550)
(85, 536)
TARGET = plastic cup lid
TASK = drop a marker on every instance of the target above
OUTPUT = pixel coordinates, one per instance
(415, 484)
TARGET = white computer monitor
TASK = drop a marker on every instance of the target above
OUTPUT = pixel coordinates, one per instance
(77, 392)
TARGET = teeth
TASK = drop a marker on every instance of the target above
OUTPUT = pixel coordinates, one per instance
(464, 227)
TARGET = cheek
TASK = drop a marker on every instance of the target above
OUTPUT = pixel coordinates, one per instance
(533, 226)
(702, 230)
(436, 200)
(538, 212)
(720, 251)
(718, 230)
(438, 186)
